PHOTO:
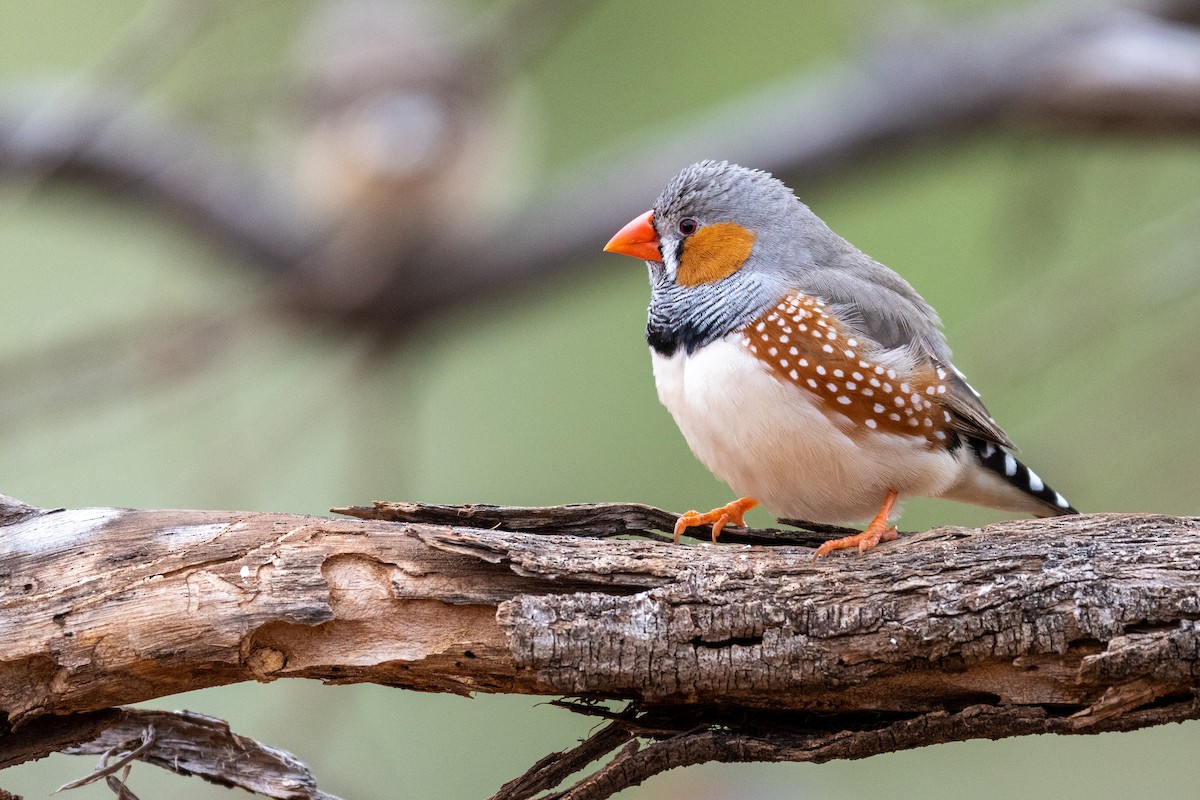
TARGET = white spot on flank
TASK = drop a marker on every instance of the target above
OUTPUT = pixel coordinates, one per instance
(852, 342)
(879, 409)
(849, 353)
(940, 435)
(837, 373)
(930, 390)
(894, 417)
(868, 393)
(851, 385)
(1010, 465)
(875, 382)
(804, 362)
(803, 328)
(899, 400)
(820, 370)
(794, 375)
(870, 423)
(760, 327)
(827, 348)
(793, 351)
(831, 387)
(941, 374)
(856, 375)
(904, 387)
(878, 370)
(783, 339)
(772, 351)
(812, 384)
(913, 422)
(783, 362)
(843, 400)
(941, 389)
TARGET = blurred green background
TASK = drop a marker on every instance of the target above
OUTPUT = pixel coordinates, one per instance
(1065, 267)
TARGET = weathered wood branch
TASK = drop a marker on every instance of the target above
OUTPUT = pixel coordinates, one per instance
(1068, 625)
(193, 744)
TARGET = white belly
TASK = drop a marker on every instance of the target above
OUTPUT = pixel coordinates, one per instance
(772, 441)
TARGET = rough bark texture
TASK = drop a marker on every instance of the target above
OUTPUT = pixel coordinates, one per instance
(101, 607)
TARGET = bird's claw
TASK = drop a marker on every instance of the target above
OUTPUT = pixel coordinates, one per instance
(863, 541)
(728, 514)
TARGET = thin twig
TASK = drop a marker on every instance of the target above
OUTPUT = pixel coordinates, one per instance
(104, 769)
(557, 767)
(120, 786)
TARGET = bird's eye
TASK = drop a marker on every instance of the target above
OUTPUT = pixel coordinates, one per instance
(688, 226)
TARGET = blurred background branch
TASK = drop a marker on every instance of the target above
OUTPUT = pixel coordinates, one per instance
(398, 125)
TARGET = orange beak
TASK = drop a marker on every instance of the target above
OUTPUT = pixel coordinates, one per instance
(637, 239)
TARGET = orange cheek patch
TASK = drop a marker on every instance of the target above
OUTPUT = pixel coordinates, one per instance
(714, 252)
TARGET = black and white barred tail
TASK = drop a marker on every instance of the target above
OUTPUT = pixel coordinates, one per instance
(1004, 465)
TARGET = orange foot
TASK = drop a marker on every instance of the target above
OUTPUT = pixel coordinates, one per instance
(878, 531)
(730, 513)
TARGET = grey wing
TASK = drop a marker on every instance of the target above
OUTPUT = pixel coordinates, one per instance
(880, 305)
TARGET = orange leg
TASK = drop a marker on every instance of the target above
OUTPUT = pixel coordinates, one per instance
(878, 531)
(730, 513)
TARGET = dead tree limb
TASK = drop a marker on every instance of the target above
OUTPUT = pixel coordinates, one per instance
(731, 653)
(193, 744)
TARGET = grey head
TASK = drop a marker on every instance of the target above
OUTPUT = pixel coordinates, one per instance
(793, 250)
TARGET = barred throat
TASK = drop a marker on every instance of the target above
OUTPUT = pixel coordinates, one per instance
(1004, 465)
(689, 317)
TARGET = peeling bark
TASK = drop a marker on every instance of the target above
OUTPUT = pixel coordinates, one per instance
(1068, 625)
(193, 744)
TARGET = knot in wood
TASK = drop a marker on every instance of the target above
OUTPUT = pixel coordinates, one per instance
(265, 662)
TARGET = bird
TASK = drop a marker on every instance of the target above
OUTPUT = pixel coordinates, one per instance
(806, 375)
